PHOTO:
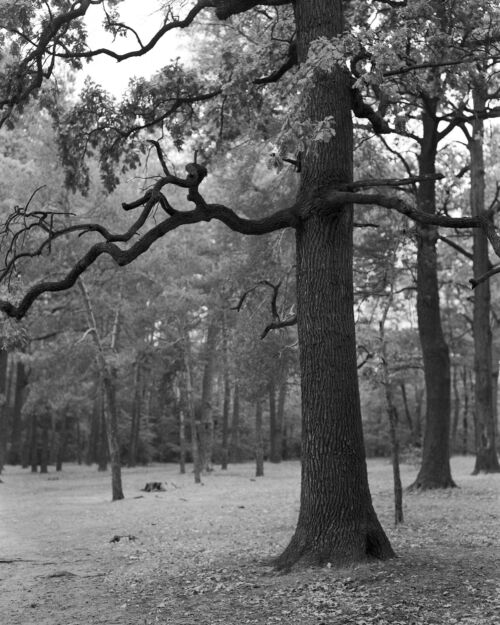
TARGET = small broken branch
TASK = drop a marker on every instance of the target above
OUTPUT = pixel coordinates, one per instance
(275, 325)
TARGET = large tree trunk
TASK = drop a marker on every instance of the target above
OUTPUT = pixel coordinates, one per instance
(484, 414)
(207, 421)
(337, 522)
(435, 470)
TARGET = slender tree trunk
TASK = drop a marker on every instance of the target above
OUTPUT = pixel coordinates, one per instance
(94, 425)
(494, 374)
(4, 356)
(235, 454)
(484, 416)
(456, 408)
(227, 393)
(419, 398)
(337, 522)
(465, 414)
(19, 392)
(108, 374)
(207, 421)
(182, 441)
(44, 443)
(281, 414)
(274, 425)
(409, 419)
(435, 471)
(135, 425)
(33, 442)
(195, 447)
(259, 441)
(61, 441)
(78, 442)
(111, 421)
(391, 407)
(102, 450)
(225, 422)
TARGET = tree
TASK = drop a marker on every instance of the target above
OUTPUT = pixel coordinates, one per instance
(337, 522)
(108, 376)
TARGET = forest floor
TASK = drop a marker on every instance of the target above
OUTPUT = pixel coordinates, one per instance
(198, 553)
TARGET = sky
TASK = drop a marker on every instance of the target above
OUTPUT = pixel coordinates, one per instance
(145, 18)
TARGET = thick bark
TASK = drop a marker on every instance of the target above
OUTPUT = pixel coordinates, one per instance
(259, 441)
(207, 385)
(435, 471)
(337, 522)
(235, 450)
(484, 414)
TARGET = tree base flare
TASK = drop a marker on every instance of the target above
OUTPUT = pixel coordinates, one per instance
(486, 462)
(431, 483)
(336, 551)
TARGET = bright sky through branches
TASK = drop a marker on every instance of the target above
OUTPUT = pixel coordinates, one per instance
(145, 18)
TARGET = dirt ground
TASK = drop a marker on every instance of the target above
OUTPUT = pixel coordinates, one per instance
(198, 554)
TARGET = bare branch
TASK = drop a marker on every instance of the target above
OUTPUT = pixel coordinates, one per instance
(203, 212)
(183, 23)
(456, 247)
(486, 276)
(275, 325)
(291, 61)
